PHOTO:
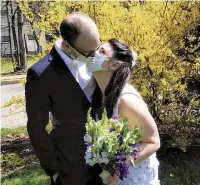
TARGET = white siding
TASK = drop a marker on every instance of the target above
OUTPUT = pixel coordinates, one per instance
(5, 45)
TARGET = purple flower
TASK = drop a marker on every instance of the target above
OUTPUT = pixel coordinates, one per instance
(121, 169)
(121, 155)
(136, 151)
(120, 138)
(112, 129)
(115, 118)
(135, 154)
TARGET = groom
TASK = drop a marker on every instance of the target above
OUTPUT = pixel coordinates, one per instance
(59, 83)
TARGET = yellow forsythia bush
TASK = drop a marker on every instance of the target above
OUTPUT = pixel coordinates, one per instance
(155, 30)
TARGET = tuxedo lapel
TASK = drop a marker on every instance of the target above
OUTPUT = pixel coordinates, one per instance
(65, 74)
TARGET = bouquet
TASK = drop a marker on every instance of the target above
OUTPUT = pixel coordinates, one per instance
(109, 143)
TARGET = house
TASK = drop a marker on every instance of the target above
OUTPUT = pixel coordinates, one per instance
(6, 43)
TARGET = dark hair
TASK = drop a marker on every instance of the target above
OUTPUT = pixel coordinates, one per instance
(69, 31)
(123, 54)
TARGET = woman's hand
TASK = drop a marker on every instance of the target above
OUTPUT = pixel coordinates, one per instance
(130, 161)
(111, 180)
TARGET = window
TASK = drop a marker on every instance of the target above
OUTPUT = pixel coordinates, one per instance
(5, 39)
(31, 37)
(3, 13)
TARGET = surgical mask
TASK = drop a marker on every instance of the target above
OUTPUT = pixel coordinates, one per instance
(81, 58)
(96, 63)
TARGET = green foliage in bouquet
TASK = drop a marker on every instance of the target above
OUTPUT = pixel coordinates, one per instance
(105, 134)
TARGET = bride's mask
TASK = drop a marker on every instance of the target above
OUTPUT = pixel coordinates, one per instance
(96, 63)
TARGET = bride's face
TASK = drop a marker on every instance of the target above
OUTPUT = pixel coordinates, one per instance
(106, 50)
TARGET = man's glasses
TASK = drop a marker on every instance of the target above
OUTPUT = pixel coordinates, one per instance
(82, 53)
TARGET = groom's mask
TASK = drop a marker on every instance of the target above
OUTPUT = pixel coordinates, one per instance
(94, 59)
(77, 55)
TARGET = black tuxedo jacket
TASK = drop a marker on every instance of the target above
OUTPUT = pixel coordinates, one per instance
(51, 87)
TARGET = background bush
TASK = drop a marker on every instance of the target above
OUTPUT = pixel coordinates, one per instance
(166, 37)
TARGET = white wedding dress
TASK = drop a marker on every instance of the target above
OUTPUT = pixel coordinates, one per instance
(146, 172)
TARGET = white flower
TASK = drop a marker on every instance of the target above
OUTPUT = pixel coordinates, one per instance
(104, 175)
(105, 160)
(88, 154)
(90, 162)
(100, 138)
(104, 154)
(87, 138)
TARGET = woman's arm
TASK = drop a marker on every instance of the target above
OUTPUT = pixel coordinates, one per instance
(135, 110)
(137, 113)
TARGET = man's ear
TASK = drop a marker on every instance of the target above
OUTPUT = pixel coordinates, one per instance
(66, 47)
(65, 44)
(114, 65)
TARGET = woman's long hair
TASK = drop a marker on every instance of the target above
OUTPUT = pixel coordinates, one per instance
(124, 55)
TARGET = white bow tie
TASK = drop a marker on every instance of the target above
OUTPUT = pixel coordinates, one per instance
(85, 75)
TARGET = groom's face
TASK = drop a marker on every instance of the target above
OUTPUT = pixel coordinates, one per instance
(87, 44)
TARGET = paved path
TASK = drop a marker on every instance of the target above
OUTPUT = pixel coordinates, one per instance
(12, 79)
(18, 119)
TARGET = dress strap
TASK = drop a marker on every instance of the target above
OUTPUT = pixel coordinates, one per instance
(128, 89)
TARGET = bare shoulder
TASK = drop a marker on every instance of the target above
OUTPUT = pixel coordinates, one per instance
(137, 113)
(131, 102)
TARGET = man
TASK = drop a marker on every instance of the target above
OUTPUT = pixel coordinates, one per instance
(60, 83)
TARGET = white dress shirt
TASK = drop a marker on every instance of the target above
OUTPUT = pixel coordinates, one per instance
(79, 70)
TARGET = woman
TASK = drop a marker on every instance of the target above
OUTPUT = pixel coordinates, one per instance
(112, 68)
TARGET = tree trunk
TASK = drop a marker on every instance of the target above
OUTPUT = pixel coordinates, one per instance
(22, 52)
(9, 30)
(26, 46)
(39, 48)
(16, 49)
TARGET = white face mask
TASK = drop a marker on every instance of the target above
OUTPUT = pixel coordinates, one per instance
(96, 63)
(81, 58)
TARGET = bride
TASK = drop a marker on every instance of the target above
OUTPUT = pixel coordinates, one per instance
(112, 68)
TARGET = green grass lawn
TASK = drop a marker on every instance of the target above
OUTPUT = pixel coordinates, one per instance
(13, 132)
(185, 171)
(12, 161)
(7, 67)
(29, 175)
(19, 131)
(34, 175)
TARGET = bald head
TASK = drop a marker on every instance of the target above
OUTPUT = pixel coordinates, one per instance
(77, 24)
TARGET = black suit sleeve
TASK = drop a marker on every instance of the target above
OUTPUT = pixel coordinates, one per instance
(37, 108)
